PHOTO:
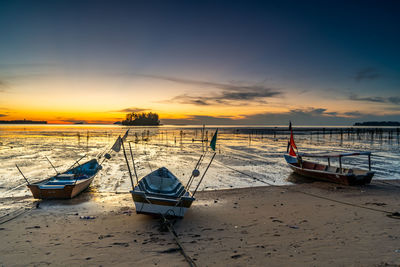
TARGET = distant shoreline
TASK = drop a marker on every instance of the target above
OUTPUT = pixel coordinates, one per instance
(23, 122)
(377, 123)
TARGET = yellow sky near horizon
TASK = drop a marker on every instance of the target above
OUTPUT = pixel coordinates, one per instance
(95, 99)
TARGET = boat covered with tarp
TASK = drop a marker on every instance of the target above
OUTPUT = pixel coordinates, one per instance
(161, 192)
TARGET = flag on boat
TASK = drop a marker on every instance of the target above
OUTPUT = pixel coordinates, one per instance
(117, 145)
(214, 140)
(125, 135)
(292, 145)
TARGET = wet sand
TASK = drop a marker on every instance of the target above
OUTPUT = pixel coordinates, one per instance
(261, 226)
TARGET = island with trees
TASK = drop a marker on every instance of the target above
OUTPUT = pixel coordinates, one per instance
(377, 123)
(141, 119)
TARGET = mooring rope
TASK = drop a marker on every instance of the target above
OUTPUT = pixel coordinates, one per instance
(17, 215)
(393, 215)
(166, 223)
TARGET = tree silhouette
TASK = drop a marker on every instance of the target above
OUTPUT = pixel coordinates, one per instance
(141, 119)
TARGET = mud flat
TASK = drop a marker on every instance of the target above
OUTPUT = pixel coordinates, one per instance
(307, 224)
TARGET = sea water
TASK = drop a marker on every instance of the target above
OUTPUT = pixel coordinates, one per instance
(245, 156)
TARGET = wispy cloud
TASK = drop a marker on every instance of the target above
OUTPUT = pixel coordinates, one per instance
(310, 111)
(302, 116)
(354, 114)
(367, 74)
(3, 115)
(132, 109)
(200, 119)
(228, 93)
(376, 99)
(226, 97)
(3, 86)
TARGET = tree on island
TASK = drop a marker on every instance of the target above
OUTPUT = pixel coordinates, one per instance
(141, 119)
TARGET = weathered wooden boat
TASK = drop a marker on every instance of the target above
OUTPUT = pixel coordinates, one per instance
(161, 192)
(68, 184)
(340, 175)
(326, 172)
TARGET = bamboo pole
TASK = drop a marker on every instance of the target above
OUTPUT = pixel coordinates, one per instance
(133, 162)
(22, 174)
(204, 174)
(52, 165)
(369, 162)
(127, 163)
(76, 162)
(189, 183)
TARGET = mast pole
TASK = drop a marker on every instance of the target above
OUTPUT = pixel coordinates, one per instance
(22, 174)
(204, 174)
(75, 163)
(127, 163)
(369, 162)
(133, 162)
(189, 183)
(52, 165)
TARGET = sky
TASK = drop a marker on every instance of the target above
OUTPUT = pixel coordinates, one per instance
(201, 62)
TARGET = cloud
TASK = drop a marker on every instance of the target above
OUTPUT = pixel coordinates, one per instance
(228, 93)
(3, 86)
(394, 100)
(306, 116)
(132, 109)
(367, 74)
(74, 121)
(198, 120)
(232, 96)
(310, 111)
(353, 114)
(376, 99)
(3, 115)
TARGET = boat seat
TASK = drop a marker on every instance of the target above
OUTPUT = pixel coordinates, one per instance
(60, 183)
(45, 186)
(65, 176)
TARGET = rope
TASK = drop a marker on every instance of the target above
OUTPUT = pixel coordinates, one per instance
(393, 215)
(167, 224)
(17, 215)
(384, 182)
(248, 175)
(339, 201)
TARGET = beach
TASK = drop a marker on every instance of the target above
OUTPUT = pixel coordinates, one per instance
(305, 224)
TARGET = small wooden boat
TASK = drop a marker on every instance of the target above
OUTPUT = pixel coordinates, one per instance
(340, 175)
(68, 184)
(160, 192)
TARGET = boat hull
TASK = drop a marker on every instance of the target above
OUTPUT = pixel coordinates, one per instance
(329, 176)
(67, 192)
(68, 184)
(159, 205)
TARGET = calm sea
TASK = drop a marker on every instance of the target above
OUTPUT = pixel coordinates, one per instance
(246, 155)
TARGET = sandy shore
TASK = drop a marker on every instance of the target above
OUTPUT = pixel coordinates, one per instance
(264, 226)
